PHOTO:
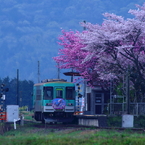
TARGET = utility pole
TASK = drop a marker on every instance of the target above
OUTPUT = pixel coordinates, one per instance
(58, 75)
(127, 91)
(17, 86)
(38, 72)
(85, 27)
(72, 78)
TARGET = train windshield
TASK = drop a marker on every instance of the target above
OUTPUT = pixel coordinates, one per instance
(70, 93)
(48, 93)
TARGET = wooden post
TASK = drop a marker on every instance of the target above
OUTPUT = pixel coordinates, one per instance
(22, 120)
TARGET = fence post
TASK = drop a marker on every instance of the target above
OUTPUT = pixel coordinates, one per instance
(123, 107)
(137, 109)
(21, 120)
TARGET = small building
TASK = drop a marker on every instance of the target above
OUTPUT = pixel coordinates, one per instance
(96, 101)
(96, 107)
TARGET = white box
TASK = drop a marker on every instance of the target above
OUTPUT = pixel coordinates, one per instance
(127, 120)
(12, 113)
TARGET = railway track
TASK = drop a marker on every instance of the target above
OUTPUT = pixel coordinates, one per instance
(68, 128)
(80, 127)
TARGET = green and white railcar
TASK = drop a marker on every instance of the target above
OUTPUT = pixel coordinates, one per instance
(54, 101)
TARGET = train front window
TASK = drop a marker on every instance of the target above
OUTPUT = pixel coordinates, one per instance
(48, 93)
(70, 93)
(59, 93)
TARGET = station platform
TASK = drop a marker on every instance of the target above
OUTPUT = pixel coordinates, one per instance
(92, 120)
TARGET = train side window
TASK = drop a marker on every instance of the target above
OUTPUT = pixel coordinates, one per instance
(38, 94)
(48, 93)
(59, 93)
(70, 93)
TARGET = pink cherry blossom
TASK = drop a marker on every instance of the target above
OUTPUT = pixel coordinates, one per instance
(104, 52)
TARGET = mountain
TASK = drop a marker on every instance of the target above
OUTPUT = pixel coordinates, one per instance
(29, 31)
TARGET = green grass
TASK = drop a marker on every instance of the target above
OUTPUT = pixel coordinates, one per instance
(28, 135)
(27, 115)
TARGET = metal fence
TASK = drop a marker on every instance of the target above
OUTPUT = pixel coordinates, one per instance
(121, 108)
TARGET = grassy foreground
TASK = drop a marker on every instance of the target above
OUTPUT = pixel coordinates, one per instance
(41, 136)
(29, 135)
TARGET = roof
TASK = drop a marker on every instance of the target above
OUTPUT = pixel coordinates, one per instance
(72, 74)
(52, 81)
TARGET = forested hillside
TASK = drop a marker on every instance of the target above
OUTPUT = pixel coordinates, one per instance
(23, 92)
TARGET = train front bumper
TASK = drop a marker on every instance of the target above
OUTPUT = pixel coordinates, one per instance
(51, 109)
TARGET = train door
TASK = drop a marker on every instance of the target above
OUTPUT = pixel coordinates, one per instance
(58, 102)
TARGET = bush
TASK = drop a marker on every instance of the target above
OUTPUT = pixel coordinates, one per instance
(139, 121)
(114, 121)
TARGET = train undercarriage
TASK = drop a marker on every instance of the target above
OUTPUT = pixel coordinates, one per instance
(54, 117)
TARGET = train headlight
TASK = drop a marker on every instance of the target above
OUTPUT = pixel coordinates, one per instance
(48, 104)
(70, 104)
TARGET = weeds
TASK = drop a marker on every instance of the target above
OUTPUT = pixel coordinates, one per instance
(28, 134)
(33, 136)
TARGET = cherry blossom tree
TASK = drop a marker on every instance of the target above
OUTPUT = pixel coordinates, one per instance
(72, 56)
(120, 46)
(107, 51)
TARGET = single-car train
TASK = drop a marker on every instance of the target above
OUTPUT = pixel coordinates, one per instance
(54, 101)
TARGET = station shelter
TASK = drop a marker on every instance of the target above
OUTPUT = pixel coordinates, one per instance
(96, 101)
